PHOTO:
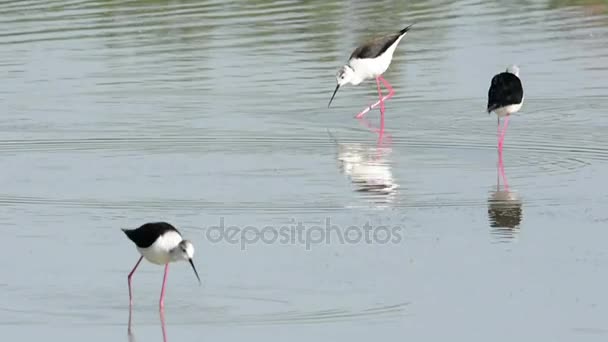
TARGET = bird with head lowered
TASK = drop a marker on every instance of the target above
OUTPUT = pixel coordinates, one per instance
(160, 243)
(369, 61)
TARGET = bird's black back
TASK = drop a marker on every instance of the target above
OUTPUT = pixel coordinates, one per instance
(145, 235)
(506, 89)
(376, 47)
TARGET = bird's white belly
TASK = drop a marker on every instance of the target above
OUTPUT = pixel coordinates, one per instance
(371, 68)
(159, 252)
(510, 109)
(154, 255)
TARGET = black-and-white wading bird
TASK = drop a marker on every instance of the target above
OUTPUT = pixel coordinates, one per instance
(505, 97)
(160, 243)
(368, 61)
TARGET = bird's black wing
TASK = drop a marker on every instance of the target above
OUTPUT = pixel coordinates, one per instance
(506, 89)
(145, 235)
(376, 47)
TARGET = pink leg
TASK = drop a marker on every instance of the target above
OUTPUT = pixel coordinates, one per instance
(498, 130)
(368, 125)
(380, 95)
(162, 292)
(504, 179)
(390, 94)
(162, 326)
(499, 153)
(503, 132)
(129, 280)
(129, 330)
(501, 169)
(381, 110)
(501, 141)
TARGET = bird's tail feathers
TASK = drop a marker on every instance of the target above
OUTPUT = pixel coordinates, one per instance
(406, 29)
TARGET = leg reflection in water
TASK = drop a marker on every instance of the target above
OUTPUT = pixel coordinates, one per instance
(162, 325)
(383, 137)
(130, 330)
(504, 206)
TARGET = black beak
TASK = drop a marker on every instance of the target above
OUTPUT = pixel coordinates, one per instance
(196, 273)
(332, 97)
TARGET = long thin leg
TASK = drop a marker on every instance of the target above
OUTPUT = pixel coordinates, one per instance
(500, 171)
(381, 110)
(380, 95)
(501, 168)
(497, 174)
(503, 132)
(130, 331)
(500, 160)
(162, 325)
(162, 292)
(498, 150)
(386, 137)
(390, 94)
(498, 129)
(129, 280)
(388, 87)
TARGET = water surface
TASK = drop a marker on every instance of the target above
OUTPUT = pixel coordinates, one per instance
(117, 113)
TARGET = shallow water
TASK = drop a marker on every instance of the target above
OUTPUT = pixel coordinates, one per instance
(117, 113)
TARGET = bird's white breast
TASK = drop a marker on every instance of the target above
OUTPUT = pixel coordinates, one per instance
(510, 109)
(158, 252)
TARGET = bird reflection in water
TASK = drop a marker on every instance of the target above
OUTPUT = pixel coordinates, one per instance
(162, 326)
(504, 207)
(369, 170)
(383, 137)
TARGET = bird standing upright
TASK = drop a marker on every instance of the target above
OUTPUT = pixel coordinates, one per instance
(160, 243)
(371, 60)
(505, 97)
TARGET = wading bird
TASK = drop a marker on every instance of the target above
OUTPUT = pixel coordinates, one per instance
(370, 60)
(160, 243)
(505, 97)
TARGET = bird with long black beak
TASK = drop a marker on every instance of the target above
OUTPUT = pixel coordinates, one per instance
(160, 243)
(370, 60)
